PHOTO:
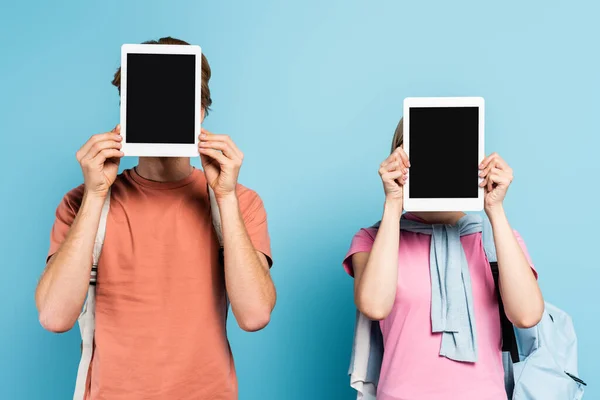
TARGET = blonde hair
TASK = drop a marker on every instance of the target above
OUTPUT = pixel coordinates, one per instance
(398, 136)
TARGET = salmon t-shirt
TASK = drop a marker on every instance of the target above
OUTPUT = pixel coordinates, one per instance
(412, 368)
(161, 300)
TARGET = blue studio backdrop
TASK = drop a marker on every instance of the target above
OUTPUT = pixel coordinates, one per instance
(311, 91)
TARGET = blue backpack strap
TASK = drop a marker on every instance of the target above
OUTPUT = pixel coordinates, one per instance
(509, 340)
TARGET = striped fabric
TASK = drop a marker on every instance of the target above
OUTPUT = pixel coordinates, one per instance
(93, 274)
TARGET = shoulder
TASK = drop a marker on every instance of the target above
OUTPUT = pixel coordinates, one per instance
(362, 242)
(367, 233)
(247, 197)
(73, 198)
(364, 239)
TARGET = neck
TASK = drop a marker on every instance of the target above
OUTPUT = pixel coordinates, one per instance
(447, 218)
(164, 169)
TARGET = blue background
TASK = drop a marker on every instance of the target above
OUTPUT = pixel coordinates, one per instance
(311, 91)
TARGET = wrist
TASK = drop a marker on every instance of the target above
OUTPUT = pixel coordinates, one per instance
(91, 197)
(495, 213)
(227, 200)
(393, 207)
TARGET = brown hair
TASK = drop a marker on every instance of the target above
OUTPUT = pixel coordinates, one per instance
(398, 136)
(206, 101)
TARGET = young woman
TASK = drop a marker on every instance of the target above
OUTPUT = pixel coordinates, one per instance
(393, 285)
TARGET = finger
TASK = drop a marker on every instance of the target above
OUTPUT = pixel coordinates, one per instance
(391, 158)
(106, 154)
(485, 172)
(500, 176)
(222, 146)
(395, 165)
(487, 160)
(97, 139)
(391, 176)
(206, 135)
(500, 163)
(99, 146)
(387, 165)
(403, 156)
(483, 183)
(216, 155)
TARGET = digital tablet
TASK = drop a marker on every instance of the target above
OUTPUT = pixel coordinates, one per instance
(444, 141)
(160, 100)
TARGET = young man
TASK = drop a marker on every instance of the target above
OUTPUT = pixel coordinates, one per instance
(161, 288)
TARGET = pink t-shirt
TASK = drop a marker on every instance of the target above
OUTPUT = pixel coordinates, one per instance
(412, 368)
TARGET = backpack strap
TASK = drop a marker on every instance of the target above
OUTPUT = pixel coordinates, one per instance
(509, 340)
(216, 219)
(87, 320)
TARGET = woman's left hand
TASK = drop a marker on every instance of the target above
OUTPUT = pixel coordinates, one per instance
(497, 177)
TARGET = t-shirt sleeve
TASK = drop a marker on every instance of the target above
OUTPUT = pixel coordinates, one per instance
(524, 249)
(255, 220)
(65, 215)
(361, 242)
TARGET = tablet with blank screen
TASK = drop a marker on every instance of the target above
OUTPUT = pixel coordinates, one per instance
(160, 100)
(444, 141)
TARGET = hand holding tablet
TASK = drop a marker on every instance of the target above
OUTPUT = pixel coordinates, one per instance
(444, 139)
(496, 177)
(221, 161)
(393, 172)
(99, 158)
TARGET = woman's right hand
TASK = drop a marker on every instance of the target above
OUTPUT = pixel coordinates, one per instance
(394, 173)
(99, 158)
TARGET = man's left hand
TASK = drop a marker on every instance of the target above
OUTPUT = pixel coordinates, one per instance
(221, 160)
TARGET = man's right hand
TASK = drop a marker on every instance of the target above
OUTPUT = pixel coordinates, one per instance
(394, 173)
(99, 158)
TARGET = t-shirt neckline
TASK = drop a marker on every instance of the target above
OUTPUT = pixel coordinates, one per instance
(140, 180)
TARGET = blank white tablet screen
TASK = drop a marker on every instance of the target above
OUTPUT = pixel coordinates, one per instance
(160, 98)
(444, 152)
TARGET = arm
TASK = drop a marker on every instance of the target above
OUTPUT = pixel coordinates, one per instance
(62, 289)
(247, 277)
(248, 280)
(521, 295)
(63, 286)
(376, 273)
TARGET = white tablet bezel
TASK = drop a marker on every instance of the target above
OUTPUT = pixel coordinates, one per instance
(160, 149)
(443, 204)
